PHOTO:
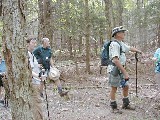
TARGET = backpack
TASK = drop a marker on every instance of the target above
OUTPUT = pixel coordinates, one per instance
(105, 61)
(39, 52)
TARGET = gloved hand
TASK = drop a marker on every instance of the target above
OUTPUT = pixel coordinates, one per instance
(43, 77)
(123, 82)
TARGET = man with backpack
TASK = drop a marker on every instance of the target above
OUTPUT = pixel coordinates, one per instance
(43, 54)
(118, 76)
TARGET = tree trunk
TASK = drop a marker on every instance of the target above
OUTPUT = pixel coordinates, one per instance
(139, 21)
(108, 16)
(70, 48)
(87, 36)
(96, 47)
(158, 35)
(45, 19)
(80, 44)
(18, 73)
(0, 7)
(41, 21)
(119, 11)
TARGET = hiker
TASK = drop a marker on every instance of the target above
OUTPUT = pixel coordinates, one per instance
(2, 74)
(118, 76)
(36, 79)
(157, 66)
(43, 54)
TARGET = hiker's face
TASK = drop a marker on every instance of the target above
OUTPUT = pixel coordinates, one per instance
(32, 44)
(46, 42)
(121, 35)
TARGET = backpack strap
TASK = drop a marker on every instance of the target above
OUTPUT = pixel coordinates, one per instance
(120, 50)
(120, 47)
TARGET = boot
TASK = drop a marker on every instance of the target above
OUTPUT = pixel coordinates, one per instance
(62, 94)
(126, 104)
(114, 108)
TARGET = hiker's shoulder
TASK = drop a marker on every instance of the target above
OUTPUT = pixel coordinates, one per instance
(37, 48)
(115, 43)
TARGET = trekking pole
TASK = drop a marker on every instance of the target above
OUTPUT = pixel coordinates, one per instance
(6, 100)
(136, 57)
(43, 72)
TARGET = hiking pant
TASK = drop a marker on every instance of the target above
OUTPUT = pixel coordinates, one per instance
(37, 103)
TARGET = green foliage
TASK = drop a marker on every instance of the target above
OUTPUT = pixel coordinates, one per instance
(154, 12)
(129, 5)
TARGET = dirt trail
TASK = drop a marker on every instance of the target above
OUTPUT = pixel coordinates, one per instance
(89, 99)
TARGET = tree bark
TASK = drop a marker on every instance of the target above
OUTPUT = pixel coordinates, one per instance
(158, 35)
(41, 20)
(46, 25)
(18, 73)
(87, 36)
(80, 44)
(108, 4)
(70, 48)
(120, 12)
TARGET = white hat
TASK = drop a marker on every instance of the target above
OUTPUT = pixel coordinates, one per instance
(118, 29)
(54, 73)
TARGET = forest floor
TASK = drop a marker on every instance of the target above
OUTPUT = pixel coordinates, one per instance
(89, 95)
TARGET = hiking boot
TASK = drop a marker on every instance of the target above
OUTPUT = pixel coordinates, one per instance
(62, 94)
(113, 105)
(126, 104)
(114, 108)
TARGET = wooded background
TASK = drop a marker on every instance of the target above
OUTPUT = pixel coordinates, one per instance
(77, 30)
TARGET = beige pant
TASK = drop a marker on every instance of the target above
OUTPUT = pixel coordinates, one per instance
(157, 77)
(36, 103)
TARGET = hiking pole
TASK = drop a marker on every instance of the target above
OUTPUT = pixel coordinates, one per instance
(6, 100)
(43, 72)
(136, 57)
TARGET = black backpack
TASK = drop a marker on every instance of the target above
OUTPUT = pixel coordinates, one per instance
(105, 61)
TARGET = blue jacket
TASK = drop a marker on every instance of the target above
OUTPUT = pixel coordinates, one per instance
(2, 66)
(157, 56)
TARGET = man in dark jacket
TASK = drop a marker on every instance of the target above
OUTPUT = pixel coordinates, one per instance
(43, 54)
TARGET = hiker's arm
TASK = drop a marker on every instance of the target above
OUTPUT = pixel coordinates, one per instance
(119, 65)
(35, 75)
(133, 49)
(35, 52)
